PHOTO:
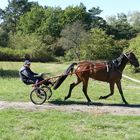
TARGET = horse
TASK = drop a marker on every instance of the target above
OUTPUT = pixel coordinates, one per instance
(108, 71)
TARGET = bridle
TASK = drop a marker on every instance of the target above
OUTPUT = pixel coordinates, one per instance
(129, 59)
(125, 55)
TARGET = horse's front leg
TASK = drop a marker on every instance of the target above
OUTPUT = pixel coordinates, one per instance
(121, 92)
(111, 92)
(71, 88)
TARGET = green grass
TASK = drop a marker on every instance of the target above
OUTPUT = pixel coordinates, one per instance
(54, 125)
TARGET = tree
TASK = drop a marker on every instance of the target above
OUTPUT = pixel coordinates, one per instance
(52, 24)
(72, 37)
(100, 46)
(3, 38)
(72, 14)
(12, 13)
(96, 20)
(31, 21)
(31, 45)
(120, 27)
(134, 19)
(42, 21)
(135, 46)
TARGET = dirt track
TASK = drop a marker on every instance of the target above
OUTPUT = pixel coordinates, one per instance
(96, 108)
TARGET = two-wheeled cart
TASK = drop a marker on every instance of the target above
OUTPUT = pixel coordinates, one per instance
(41, 92)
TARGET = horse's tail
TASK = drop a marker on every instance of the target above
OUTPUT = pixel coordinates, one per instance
(70, 68)
(64, 75)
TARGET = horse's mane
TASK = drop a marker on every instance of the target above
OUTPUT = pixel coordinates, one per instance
(118, 60)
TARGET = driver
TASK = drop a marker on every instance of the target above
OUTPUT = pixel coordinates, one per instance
(29, 77)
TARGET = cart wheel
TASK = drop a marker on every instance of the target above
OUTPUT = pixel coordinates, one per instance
(38, 96)
(48, 91)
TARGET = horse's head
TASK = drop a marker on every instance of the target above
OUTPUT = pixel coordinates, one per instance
(132, 59)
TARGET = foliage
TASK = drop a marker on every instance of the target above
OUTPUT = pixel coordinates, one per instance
(24, 41)
(42, 54)
(8, 54)
(101, 46)
(69, 55)
(72, 14)
(72, 37)
(96, 20)
(12, 13)
(29, 27)
(134, 19)
(42, 21)
(3, 38)
(31, 21)
(19, 45)
(135, 46)
(52, 23)
(120, 28)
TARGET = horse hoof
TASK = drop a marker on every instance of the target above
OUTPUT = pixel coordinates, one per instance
(89, 103)
(101, 97)
(126, 103)
(65, 98)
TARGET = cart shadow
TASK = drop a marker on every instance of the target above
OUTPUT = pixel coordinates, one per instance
(9, 73)
(61, 102)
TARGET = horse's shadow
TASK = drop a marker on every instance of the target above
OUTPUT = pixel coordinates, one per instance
(62, 102)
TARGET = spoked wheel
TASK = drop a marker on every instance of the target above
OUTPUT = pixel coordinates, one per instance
(48, 91)
(38, 96)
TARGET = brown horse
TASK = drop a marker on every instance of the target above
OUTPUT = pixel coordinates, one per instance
(110, 72)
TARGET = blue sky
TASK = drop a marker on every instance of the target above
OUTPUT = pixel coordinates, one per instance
(109, 7)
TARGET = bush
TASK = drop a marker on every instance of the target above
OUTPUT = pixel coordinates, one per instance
(69, 56)
(21, 45)
(135, 46)
(41, 54)
(8, 54)
(101, 46)
(3, 38)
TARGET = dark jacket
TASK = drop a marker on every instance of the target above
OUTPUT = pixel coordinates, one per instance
(27, 76)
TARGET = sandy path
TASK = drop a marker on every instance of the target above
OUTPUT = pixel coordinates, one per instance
(96, 108)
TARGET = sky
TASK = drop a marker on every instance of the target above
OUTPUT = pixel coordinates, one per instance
(109, 7)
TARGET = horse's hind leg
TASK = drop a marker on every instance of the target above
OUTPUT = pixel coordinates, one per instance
(85, 85)
(71, 88)
(121, 92)
(111, 92)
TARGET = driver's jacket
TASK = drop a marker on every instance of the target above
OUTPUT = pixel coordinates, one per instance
(27, 76)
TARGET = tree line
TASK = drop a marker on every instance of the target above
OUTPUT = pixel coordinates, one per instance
(46, 33)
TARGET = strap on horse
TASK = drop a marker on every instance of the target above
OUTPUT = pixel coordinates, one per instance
(107, 67)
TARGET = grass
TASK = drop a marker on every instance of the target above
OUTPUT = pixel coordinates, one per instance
(55, 125)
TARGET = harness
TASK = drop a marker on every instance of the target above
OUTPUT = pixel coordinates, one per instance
(107, 67)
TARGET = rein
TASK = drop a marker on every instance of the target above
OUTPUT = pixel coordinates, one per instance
(125, 55)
